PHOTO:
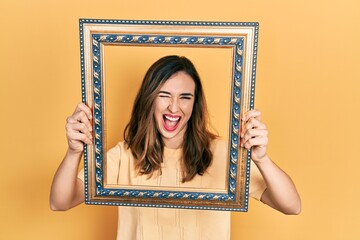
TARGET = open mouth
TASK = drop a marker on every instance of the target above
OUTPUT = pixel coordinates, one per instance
(171, 122)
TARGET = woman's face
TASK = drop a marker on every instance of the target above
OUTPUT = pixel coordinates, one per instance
(173, 108)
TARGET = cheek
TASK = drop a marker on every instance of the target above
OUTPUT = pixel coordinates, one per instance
(159, 106)
(157, 112)
(188, 109)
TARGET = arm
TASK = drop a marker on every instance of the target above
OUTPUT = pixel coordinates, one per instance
(67, 190)
(281, 193)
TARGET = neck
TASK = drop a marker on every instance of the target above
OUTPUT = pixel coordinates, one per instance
(172, 145)
(176, 141)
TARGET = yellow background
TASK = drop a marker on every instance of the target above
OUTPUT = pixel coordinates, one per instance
(307, 88)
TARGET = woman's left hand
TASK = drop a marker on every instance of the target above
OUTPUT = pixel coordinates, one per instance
(254, 135)
(281, 192)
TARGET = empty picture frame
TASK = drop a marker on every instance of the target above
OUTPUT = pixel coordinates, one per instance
(115, 55)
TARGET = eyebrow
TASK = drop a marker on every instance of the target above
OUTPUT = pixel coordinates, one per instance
(182, 94)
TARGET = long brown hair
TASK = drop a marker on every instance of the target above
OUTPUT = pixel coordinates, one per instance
(141, 134)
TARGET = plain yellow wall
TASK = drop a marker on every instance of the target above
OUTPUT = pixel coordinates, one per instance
(307, 87)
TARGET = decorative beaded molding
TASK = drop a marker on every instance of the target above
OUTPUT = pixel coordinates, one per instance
(236, 42)
(161, 22)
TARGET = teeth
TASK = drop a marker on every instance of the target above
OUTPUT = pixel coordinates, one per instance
(173, 119)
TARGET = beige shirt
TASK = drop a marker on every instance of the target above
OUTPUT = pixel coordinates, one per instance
(144, 223)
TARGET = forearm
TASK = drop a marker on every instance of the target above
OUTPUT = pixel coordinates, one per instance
(66, 190)
(281, 192)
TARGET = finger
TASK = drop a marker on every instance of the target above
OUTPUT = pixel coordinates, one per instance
(255, 142)
(254, 134)
(78, 128)
(80, 117)
(252, 124)
(251, 114)
(76, 136)
(81, 107)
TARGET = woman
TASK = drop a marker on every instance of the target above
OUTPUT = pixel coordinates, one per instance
(167, 143)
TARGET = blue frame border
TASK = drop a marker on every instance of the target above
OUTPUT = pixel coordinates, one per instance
(237, 43)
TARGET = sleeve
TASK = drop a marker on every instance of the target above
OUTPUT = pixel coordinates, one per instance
(112, 166)
(81, 175)
(257, 183)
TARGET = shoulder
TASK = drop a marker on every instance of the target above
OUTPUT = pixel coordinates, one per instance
(218, 145)
(119, 147)
(119, 150)
(219, 150)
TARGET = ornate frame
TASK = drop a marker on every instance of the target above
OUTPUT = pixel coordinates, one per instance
(242, 37)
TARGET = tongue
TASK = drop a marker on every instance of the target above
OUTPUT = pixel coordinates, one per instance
(170, 124)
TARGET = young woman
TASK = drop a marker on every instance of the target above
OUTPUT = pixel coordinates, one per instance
(167, 143)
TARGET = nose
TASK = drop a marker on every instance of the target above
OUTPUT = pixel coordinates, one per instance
(173, 105)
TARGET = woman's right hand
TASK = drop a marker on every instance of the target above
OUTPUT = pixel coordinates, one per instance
(79, 128)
